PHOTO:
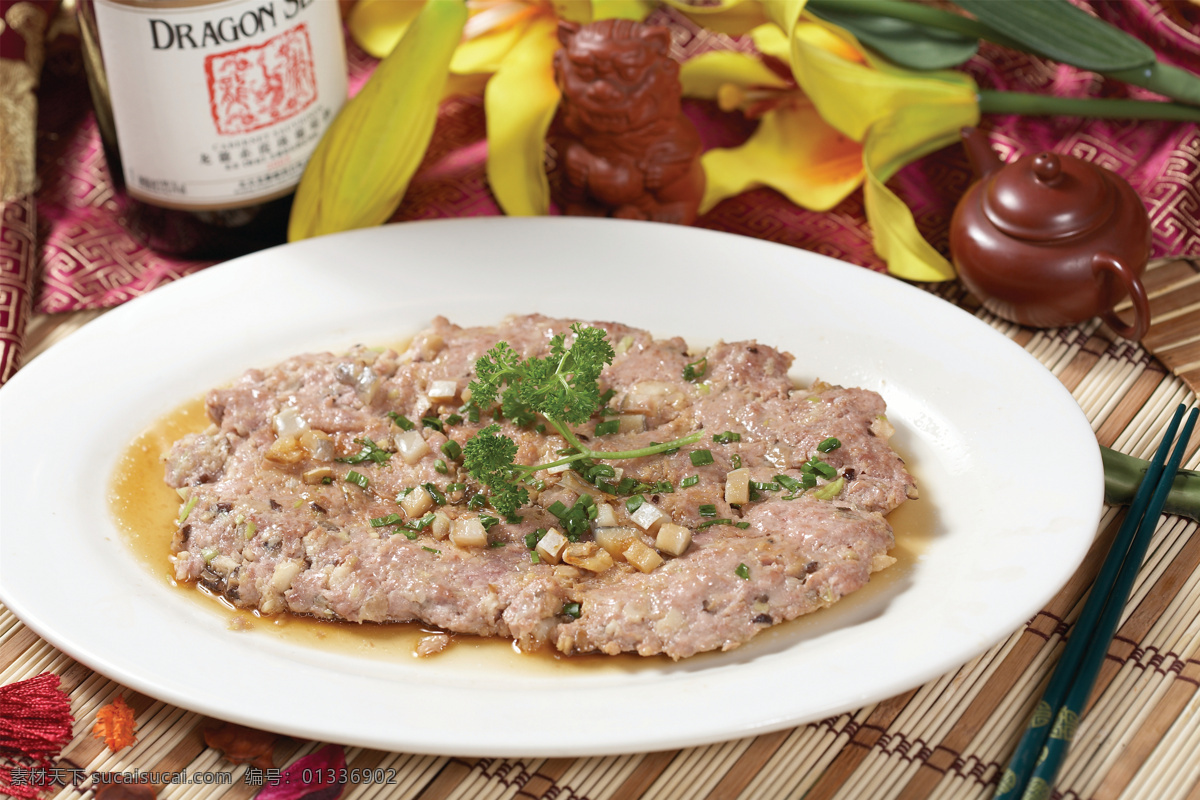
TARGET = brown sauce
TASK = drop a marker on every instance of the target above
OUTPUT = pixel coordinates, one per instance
(145, 508)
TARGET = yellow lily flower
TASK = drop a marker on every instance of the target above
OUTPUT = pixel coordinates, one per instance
(793, 150)
(898, 115)
(511, 43)
(361, 168)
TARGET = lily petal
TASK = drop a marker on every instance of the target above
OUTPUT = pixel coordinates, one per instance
(363, 163)
(377, 25)
(703, 75)
(793, 151)
(520, 101)
(636, 10)
(852, 96)
(732, 17)
(485, 52)
(889, 146)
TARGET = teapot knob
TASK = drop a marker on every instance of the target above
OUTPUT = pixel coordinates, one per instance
(1047, 168)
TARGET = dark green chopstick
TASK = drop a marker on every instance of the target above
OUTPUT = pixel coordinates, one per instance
(1068, 716)
(1026, 757)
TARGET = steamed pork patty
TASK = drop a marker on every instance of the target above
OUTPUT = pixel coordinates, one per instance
(332, 486)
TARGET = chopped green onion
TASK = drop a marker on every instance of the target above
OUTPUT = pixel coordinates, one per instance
(764, 487)
(208, 554)
(251, 528)
(187, 507)
(404, 422)
(829, 444)
(534, 557)
(634, 503)
(452, 449)
(390, 519)
(430, 549)
(791, 484)
(742, 525)
(607, 427)
(558, 509)
(455, 487)
(727, 437)
(608, 395)
(497, 544)
(453, 419)
(572, 610)
(691, 480)
(327, 480)
(742, 571)
(488, 521)
(707, 510)
(664, 486)
(532, 539)
(735, 461)
(433, 422)
(440, 466)
(370, 452)
(709, 523)
(478, 501)
(830, 490)
(808, 481)
(700, 457)
(437, 496)
(358, 480)
(825, 470)
(695, 369)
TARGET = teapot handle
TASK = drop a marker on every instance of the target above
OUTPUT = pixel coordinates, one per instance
(1104, 264)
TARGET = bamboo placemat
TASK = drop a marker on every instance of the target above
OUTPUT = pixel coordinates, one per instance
(947, 739)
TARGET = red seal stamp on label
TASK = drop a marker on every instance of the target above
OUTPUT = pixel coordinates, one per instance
(253, 87)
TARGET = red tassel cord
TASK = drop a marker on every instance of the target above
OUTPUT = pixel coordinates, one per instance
(35, 725)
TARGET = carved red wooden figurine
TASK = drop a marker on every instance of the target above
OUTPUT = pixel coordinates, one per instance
(625, 147)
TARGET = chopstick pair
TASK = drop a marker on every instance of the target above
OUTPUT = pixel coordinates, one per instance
(1034, 765)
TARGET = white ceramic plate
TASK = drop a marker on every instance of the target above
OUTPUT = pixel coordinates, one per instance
(1009, 472)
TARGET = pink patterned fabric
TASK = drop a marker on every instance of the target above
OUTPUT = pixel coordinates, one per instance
(89, 261)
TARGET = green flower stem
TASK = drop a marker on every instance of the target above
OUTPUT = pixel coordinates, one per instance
(1178, 84)
(1173, 82)
(992, 102)
(919, 15)
(586, 452)
(1123, 473)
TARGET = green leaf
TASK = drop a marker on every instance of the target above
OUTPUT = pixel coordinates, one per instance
(902, 42)
(1058, 30)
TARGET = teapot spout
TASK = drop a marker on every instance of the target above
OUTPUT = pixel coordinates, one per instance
(983, 158)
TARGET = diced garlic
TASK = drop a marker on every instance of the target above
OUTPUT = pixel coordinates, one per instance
(673, 539)
(285, 450)
(317, 475)
(318, 444)
(440, 527)
(615, 540)
(648, 517)
(416, 502)
(642, 557)
(587, 555)
(605, 516)
(737, 487)
(550, 548)
(288, 422)
(631, 423)
(468, 532)
(411, 446)
(880, 561)
(442, 390)
(285, 572)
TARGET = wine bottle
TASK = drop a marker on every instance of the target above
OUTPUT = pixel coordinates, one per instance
(208, 111)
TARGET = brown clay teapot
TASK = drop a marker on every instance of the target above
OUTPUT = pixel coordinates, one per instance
(1051, 240)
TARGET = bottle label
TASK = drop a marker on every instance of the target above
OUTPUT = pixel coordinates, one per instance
(220, 104)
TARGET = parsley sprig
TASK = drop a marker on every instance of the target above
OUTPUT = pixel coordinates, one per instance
(563, 388)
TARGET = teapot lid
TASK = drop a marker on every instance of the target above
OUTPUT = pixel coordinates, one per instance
(1047, 197)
